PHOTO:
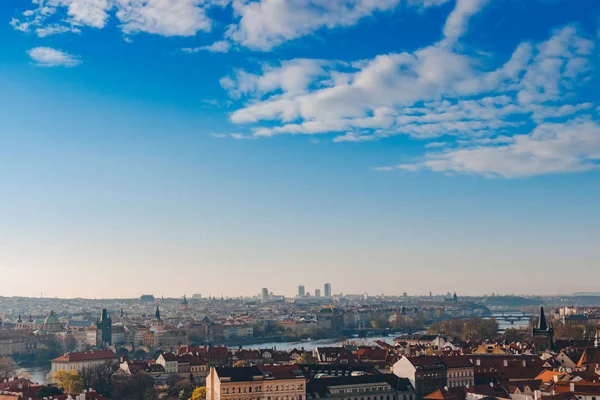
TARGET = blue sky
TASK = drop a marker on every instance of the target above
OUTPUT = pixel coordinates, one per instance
(191, 146)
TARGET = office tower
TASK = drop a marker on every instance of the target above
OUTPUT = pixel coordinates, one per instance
(265, 295)
(327, 290)
(317, 292)
(301, 291)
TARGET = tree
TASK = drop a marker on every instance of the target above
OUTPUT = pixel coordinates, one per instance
(69, 381)
(7, 367)
(136, 387)
(23, 373)
(99, 377)
(474, 329)
(140, 354)
(512, 335)
(306, 358)
(241, 363)
(70, 343)
(48, 391)
(199, 393)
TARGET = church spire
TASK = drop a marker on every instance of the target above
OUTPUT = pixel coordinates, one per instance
(542, 325)
(157, 313)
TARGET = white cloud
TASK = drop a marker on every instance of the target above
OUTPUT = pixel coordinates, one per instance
(221, 46)
(256, 24)
(264, 24)
(48, 57)
(550, 148)
(456, 24)
(55, 29)
(289, 78)
(161, 17)
(380, 94)
(434, 92)
(558, 64)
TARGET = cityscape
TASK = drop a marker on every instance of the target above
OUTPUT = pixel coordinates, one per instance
(299, 199)
(502, 346)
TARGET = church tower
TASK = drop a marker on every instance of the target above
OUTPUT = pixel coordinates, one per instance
(544, 333)
(104, 329)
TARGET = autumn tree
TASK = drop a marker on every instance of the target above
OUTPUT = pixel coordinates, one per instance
(69, 381)
(199, 393)
(306, 358)
(241, 363)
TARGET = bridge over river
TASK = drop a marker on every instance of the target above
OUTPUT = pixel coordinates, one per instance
(512, 319)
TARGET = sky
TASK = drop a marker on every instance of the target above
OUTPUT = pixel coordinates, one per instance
(218, 147)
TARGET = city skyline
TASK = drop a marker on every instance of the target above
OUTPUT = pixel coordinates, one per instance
(384, 146)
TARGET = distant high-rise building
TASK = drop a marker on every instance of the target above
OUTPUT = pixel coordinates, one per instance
(301, 292)
(265, 295)
(317, 292)
(327, 289)
(404, 294)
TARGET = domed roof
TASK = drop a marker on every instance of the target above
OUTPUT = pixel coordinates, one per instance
(52, 319)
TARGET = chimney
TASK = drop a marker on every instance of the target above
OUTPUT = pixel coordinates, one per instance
(506, 363)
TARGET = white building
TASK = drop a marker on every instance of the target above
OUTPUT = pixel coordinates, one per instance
(77, 361)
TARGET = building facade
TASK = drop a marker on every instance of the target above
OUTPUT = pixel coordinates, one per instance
(78, 361)
(281, 382)
(426, 374)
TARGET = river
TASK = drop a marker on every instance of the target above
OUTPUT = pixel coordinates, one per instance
(38, 374)
(312, 344)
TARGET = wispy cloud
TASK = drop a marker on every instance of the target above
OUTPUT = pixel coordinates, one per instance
(237, 136)
(221, 46)
(550, 148)
(398, 94)
(457, 22)
(49, 57)
(265, 24)
(160, 17)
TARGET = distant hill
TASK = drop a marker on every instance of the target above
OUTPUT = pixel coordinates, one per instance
(512, 301)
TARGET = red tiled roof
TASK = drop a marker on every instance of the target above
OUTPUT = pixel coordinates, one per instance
(86, 356)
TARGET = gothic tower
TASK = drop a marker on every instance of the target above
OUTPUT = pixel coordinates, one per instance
(544, 333)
